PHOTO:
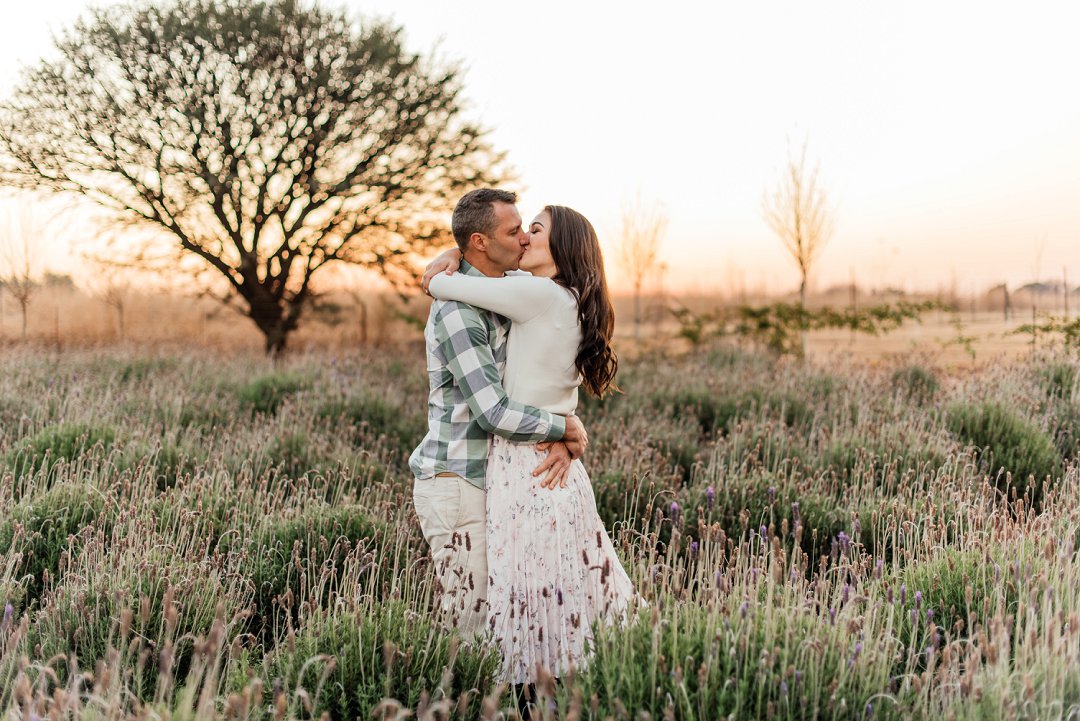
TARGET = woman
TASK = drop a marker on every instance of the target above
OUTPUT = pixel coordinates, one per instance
(553, 570)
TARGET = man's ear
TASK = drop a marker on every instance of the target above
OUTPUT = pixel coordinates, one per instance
(478, 241)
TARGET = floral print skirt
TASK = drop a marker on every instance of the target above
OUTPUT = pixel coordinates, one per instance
(552, 569)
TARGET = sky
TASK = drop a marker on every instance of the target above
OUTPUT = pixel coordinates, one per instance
(947, 133)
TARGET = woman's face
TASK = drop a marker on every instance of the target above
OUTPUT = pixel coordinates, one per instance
(537, 258)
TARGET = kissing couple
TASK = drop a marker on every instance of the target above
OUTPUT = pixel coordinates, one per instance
(521, 318)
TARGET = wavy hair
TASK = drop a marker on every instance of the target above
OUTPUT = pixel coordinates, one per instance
(579, 264)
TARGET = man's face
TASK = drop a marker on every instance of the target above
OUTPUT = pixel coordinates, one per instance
(508, 238)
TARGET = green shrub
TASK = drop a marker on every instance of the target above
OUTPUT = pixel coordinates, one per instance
(12, 411)
(59, 442)
(944, 586)
(712, 410)
(80, 616)
(765, 443)
(719, 411)
(403, 428)
(696, 664)
(1009, 441)
(198, 411)
(293, 452)
(813, 516)
(1065, 423)
(51, 523)
(303, 559)
(266, 393)
(1059, 379)
(890, 452)
(389, 651)
(916, 383)
(166, 462)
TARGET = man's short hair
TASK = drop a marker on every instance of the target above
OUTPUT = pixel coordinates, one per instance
(475, 213)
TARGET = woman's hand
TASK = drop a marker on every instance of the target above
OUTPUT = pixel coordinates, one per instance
(448, 261)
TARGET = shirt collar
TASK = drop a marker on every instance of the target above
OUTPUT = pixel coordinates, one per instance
(467, 269)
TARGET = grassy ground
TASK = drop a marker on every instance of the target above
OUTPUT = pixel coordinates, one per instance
(184, 536)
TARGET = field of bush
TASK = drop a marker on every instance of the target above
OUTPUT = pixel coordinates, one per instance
(186, 536)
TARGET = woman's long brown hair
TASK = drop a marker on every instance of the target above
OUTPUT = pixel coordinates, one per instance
(575, 248)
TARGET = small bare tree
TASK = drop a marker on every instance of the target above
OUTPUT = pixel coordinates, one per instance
(798, 212)
(19, 257)
(643, 228)
(115, 292)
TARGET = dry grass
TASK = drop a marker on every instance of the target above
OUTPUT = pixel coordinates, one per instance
(68, 318)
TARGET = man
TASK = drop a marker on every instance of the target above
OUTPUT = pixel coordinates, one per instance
(466, 350)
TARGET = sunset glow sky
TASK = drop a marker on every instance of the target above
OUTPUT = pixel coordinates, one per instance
(948, 133)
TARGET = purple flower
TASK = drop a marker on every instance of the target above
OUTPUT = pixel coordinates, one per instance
(674, 508)
(772, 493)
(855, 654)
(693, 549)
(878, 568)
(845, 593)
(929, 614)
(783, 687)
(798, 676)
(718, 579)
(844, 541)
(764, 531)
(918, 599)
(9, 611)
(903, 594)
(832, 616)
(710, 496)
(743, 608)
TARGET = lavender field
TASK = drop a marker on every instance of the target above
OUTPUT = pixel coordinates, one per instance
(183, 536)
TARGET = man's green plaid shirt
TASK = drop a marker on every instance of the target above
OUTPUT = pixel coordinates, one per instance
(466, 351)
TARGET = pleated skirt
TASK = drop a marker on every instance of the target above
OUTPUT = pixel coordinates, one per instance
(553, 572)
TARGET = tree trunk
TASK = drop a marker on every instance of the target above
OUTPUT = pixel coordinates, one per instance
(363, 321)
(802, 306)
(637, 311)
(275, 342)
(276, 320)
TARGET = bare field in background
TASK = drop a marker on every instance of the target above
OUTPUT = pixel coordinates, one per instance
(68, 318)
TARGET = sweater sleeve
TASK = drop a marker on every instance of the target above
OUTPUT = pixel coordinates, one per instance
(517, 297)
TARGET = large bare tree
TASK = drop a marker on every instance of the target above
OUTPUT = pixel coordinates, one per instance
(798, 211)
(265, 138)
(643, 227)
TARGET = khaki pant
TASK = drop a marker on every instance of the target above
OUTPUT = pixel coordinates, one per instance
(453, 518)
